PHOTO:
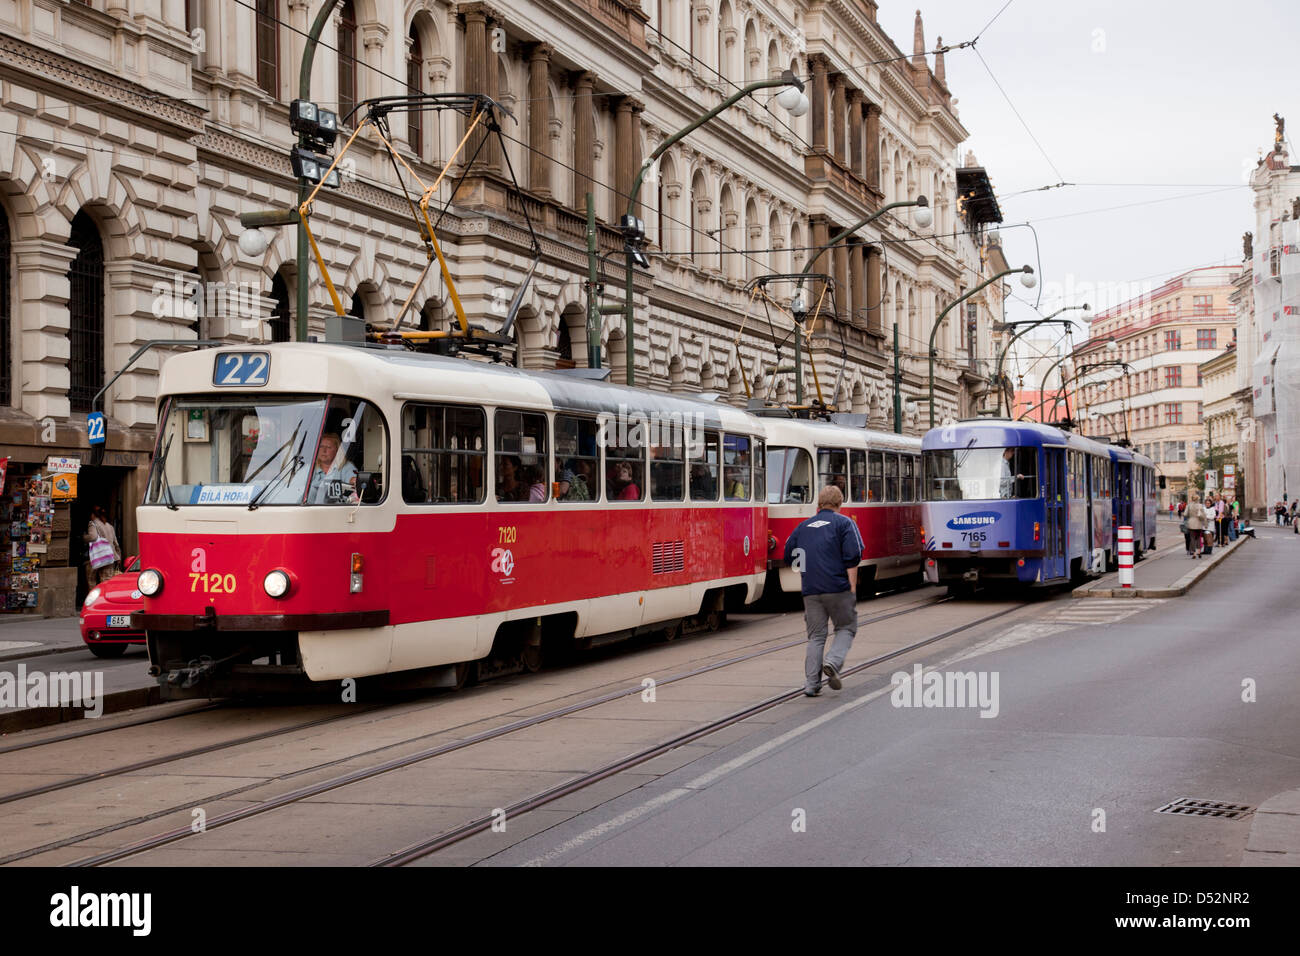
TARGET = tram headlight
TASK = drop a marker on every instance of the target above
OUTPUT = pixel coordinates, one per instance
(150, 582)
(276, 583)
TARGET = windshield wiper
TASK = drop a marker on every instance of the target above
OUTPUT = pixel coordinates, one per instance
(290, 467)
(160, 467)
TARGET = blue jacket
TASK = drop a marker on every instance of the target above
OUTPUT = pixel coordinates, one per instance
(831, 545)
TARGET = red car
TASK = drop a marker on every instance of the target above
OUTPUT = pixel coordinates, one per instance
(106, 615)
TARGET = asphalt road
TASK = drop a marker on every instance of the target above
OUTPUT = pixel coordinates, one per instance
(1104, 713)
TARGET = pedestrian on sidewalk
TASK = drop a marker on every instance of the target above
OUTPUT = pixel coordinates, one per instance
(1220, 520)
(1196, 516)
(1279, 510)
(826, 550)
(101, 529)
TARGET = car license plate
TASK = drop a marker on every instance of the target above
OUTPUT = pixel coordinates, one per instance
(119, 620)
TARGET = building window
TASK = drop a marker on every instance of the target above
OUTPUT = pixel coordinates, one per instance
(268, 47)
(85, 313)
(1174, 414)
(415, 87)
(1173, 339)
(6, 358)
(1173, 376)
(347, 59)
(1200, 413)
(1206, 338)
(1202, 304)
(279, 309)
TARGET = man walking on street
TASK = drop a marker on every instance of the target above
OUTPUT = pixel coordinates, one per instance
(826, 550)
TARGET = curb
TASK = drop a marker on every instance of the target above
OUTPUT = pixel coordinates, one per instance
(29, 652)
(1177, 589)
(1275, 832)
(33, 717)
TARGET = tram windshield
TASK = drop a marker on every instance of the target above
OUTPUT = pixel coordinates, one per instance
(268, 450)
(789, 476)
(967, 474)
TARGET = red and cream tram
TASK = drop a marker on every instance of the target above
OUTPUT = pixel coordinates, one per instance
(321, 512)
(879, 473)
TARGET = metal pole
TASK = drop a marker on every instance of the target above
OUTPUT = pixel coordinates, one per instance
(304, 187)
(593, 316)
(898, 385)
(948, 308)
(785, 79)
(1006, 348)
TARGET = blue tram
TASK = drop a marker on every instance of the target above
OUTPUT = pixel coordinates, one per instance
(1022, 502)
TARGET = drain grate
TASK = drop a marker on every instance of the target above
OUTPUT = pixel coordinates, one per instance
(1188, 807)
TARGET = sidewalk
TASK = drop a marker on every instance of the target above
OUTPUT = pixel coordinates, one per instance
(22, 636)
(1166, 573)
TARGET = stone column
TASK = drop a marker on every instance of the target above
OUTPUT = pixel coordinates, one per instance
(873, 145)
(40, 274)
(837, 115)
(212, 59)
(875, 308)
(539, 114)
(476, 63)
(857, 283)
(492, 149)
(584, 140)
(855, 134)
(820, 101)
(843, 293)
(627, 156)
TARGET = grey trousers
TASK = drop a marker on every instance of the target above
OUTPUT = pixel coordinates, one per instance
(842, 610)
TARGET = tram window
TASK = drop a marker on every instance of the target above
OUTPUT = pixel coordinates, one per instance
(577, 459)
(875, 476)
(980, 473)
(908, 463)
(891, 477)
(668, 468)
(736, 478)
(760, 469)
(348, 467)
(444, 448)
(833, 469)
(624, 466)
(521, 457)
(704, 467)
(858, 474)
(789, 476)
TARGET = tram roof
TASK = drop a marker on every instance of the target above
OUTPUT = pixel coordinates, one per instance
(1003, 433)
(792, 430)
(298, 367)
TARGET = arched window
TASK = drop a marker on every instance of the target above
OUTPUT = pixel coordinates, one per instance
(268, 47)
(564, 346)
(6, 358)
(280, 326)
(85, 313)
(347, 47)
(414, 86)
(358, 310)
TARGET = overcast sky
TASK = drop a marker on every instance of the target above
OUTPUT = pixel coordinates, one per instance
(1178, 96)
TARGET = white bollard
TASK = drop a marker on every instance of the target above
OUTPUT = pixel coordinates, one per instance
(1125, 554)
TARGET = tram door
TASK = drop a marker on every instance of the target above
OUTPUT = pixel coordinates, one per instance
(1056, 503)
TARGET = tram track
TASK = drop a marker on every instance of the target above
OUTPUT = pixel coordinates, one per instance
(450, 838)
(774, 644)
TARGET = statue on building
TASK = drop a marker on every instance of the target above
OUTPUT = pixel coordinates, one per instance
(1280, 134)
(1247, 245)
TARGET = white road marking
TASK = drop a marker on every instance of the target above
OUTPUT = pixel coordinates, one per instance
(15, 645)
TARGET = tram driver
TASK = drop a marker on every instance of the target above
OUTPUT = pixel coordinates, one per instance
(334, 479)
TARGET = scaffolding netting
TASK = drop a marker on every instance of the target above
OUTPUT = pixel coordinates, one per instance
(1275, 375)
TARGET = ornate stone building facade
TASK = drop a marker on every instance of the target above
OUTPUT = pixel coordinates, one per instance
(135, 132)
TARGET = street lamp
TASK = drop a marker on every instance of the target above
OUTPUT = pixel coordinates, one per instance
(791, 98)
(1027, 279)
(923, 218)
(1032, 324)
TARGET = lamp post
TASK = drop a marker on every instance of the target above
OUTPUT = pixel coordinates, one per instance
(791, 98)
(1032, 324)
(923, 219)
(1027, 279)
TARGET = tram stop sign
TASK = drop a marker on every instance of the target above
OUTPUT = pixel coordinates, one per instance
(95, 428)
(1211, 480)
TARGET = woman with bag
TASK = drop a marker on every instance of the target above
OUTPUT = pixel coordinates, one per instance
(105, 552)
(1195, 517)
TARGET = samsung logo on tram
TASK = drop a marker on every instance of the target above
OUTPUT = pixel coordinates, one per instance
(974, 519)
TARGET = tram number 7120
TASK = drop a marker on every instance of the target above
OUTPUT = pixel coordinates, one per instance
(213, 583)
(974, 535)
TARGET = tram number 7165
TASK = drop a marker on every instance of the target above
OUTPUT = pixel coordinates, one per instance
(974, 535)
